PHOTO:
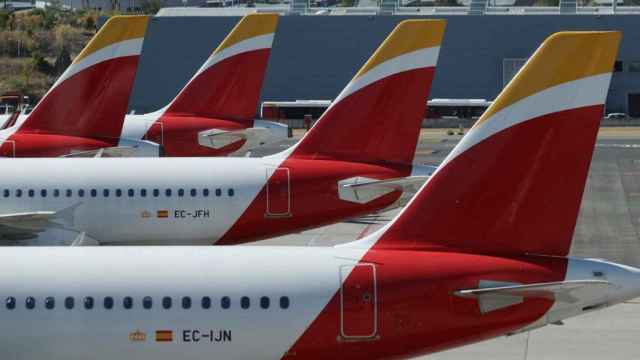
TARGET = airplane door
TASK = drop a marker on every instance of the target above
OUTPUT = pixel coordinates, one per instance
(358, 302)
(278, 192)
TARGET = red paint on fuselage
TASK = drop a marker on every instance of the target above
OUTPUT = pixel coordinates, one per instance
(372, 133)
(314, 199)
(223, 97)
(417, 310)
(50, 145)
(179, 134)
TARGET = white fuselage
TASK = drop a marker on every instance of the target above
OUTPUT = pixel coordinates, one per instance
(136, 199)
(305, 278)
(73, 303)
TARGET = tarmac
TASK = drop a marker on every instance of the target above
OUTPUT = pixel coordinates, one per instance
(608, 227)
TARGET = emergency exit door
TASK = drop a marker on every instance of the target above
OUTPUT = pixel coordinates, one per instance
(358, 302)
(278, 192)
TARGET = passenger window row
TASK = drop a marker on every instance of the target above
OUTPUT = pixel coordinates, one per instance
(108, 192)
(147, 302)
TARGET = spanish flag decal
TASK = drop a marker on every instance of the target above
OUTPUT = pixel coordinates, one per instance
(163, 214)
(164, 336)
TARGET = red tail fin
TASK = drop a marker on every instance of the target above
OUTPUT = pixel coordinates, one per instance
(514, 184)
(377, 117)
(92, 95)
(228, 85)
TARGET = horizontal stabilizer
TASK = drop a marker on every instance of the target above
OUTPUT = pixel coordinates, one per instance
(115, 151)
(217, 139)
(492, 297)
(363, 190)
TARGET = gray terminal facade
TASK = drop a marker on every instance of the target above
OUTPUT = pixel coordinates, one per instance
(314, 57)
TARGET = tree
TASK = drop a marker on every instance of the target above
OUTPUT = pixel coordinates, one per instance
(63, 60)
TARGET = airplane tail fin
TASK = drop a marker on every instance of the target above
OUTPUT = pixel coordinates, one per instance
(514, 183)
(91, 97)
(378, 115)
(228, 84)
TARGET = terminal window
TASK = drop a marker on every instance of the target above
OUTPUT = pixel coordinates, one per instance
(634, 66)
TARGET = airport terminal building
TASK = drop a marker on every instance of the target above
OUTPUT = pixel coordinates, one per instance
(316, 53)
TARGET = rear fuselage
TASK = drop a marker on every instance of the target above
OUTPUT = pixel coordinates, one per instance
(187, 200)
(253, 302)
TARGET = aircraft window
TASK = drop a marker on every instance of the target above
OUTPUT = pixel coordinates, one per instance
(30, 302)
(194, 192)
(43, 192)
(230, 192)
(6, 193)
(127, 302)
(205, 192)
(88, 303)
(218, 192)
(81, 193)
(186, 302)
(56, 193)
(118, 192)
(69, 303)
(206, 302)
(10, 303)
(105, 192)
(108, 303)
(245, 302)
(264, 302)
(143, 192)
(31, 192)
(180, 192)
(284, 302)
(49, 303)
(147, 302)
(167, 192)
(94, 192)
(166, 302)
(225, 302)
(156, 192)
(18, 193)
(69, 192)
(131, 192)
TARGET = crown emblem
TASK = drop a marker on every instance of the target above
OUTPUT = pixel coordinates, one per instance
(137, 336)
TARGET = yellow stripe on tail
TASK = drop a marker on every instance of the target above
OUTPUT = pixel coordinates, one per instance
(563, 57)
(115, 30)
(408, 36)
(250, 26)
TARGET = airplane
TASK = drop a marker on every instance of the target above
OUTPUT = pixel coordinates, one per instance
(349, 164)
(421, 284)
(212, 115)
(80, 111)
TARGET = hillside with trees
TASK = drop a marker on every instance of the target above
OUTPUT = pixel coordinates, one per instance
(37, 45)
